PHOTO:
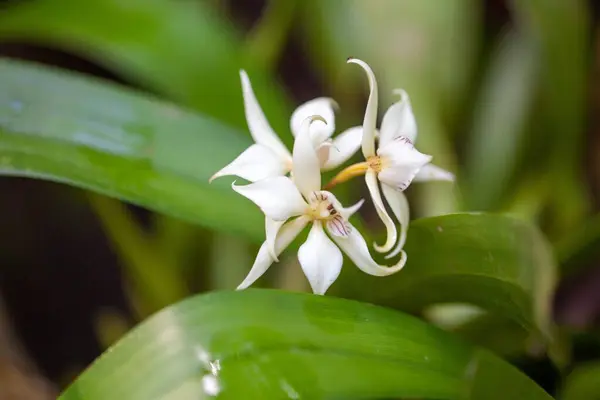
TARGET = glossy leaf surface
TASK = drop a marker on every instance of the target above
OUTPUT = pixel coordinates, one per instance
(262, 344)
(493, 261)
(87, 133)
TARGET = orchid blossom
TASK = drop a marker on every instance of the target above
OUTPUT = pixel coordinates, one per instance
(281, 198)
(395, 163)
(268, 157)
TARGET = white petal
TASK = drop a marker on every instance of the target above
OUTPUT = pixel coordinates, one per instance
(355, 247)
(263, 260)
(399, 205)
(319, 131)
(349, 211)
(259, 127)
(370, 121)
(401, 162)
(431, 172)
(323, 151)
(371, 179)
(257, 162)
(278, 197)
(272, 228)
(399, 120)
(320, 259)
(343, 147)
(305, 165)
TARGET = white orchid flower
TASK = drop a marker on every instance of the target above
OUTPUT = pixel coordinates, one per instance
(282, 198)
(395, 163)
(268, 157)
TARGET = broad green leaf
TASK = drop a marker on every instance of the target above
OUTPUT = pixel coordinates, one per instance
(91, 134)
(261, 344)
(182, 49)
(499, 334)
(495, 262)
(506, 338)
(583, 383)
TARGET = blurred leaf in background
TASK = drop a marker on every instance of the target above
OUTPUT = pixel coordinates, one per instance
(502, 109)
(560, 127)
(184, 49)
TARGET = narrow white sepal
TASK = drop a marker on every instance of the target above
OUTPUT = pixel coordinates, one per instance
(392, 235)
(432, 172)
(398, 120)
(344, 146)
(305, 165)
(356, 249)
(257, 162)
(263, 261)
(399, 205)
(272, 228)
(320, 259)
(259, 127)
(277, 197)
(370, 120)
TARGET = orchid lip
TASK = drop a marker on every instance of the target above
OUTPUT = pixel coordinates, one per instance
(321, 208)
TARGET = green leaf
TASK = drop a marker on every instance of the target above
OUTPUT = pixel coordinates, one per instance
(67, 128)
(181, 49)
(262, 344)
(498, 334)
(495, 262)
(583, 383)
